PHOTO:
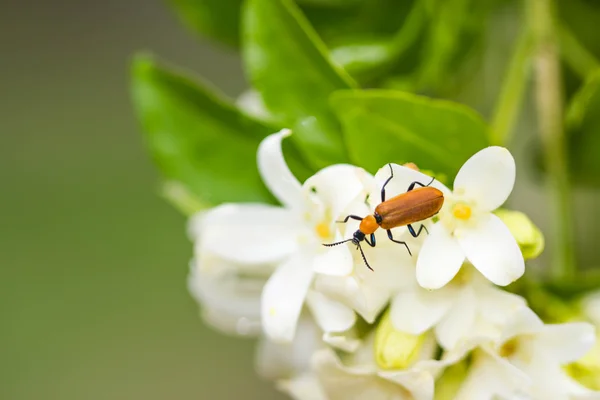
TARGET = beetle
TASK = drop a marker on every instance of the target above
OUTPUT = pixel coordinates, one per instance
(416, 204)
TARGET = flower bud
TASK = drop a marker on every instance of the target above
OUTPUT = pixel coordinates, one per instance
(528, 236)
(395, 349)
(586, 370)
(448, 385)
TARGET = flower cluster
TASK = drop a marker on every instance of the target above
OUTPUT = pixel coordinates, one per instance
(429, 323)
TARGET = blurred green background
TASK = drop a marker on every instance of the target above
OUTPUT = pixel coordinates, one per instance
(94, 264)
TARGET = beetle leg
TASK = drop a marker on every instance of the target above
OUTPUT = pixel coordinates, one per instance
(412, 185)
(356, 217)
(372, 242)
(389, 232)
(416, 234)
(386, 182)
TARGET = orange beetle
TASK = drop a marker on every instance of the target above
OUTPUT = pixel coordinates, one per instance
(402, 210)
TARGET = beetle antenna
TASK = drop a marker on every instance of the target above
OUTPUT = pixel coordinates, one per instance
(432, 179)
(335, 244)
(364, 258)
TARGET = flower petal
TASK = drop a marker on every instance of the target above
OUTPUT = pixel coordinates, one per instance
(495, 305)
(492, 249)
(418, 384)
(275, 172)
(367, 299)
(336, 186)
(491, 377)
(567, 342)
(229, 303)
(487, 177)
(417, 310)
(440, 258)
(230, 231)
(302, 387)
(345, 341)
(458, 322)
(330, 315)
(283, 297)
(341, 382)
(403, 178)
(335, 261)
(523, 322)
(282, 360)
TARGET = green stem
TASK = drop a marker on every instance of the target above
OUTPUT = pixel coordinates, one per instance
(548, 95)
(575, 55)
(511, 94)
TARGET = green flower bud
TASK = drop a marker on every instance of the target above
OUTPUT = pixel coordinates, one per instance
(448, 385)
(586, 370)
(528, 236)
(395, 349)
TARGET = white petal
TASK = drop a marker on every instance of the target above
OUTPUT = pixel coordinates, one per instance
(418, 310)
(567, 342)
(403, 178)
(330, 315)
(336, 186)
(524, 322)
(487, 177)
(282, 360)
(302, 387)
(491, 377)
(457, 325)
(440, 258)
(283, 297)
(275, 172)
(340, 382)
(366, 299)
(496, 305)
(345, 341)
(419, 384)
(249, 233)
(335, 261)
(492, 249)
(229, 303)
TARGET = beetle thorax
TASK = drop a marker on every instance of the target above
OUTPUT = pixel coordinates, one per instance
(368, 225)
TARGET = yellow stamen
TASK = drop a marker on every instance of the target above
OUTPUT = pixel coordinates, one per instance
(272, 311)
(461, 211)
(323, 230)
(509, 348)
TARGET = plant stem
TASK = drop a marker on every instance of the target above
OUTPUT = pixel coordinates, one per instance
(575, 55)
(511, 93)
(548, 95)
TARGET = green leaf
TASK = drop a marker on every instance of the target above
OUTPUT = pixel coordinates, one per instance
(289, 65)
(196, 137)
(583, 126)
(383, 126)
(368, 58)
(218, 19)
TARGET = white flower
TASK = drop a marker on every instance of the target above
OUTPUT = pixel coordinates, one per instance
(289, 364)
(365, 291)
(257, 237)
(525, 361)
(228, 291)
(358, 377)
(456, 310)
(467, 227)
